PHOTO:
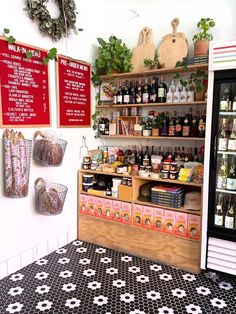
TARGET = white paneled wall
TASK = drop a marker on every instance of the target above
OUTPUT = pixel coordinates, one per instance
(29, 256)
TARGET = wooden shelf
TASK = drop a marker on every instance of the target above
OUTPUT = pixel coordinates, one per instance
(107, 197)
(155, 137)
(180, 209)
(168, 249)
(153, 104)
(154, 72)
(143, 178)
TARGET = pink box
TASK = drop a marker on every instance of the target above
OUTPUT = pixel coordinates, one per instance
(83, 204)
(107, 205)
(158, 219)
(116, 210)
(137, 215)
(112, 151)
(147, 217)
(193, 226)
(126, 213)
(181, 225)
(169, 225)
(91, 205)
(99, 207)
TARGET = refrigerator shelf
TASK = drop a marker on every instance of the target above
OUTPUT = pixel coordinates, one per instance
(226, 191)
(227, 113)
(225, 152)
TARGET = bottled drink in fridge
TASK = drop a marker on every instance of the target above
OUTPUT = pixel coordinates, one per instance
(230, 215)
(224, 102)
(231, 177)
(219, 214)
(223, 137)
(222, 173)
(232, 138)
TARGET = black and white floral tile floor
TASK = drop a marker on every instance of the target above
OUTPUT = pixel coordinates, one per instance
(89, 279)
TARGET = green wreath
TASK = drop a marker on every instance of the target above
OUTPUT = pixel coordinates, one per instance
(55, 28)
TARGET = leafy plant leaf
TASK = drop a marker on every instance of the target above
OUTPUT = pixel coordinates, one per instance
(101, 42)
(11, 39)
(6, 30)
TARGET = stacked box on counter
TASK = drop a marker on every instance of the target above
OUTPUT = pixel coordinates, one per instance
(99, 207)
(193, 226)
(167, 196)
(83, 204)
(147, 217)
(126, 213)
(116, 210)
(158, 219)
(91, 205)
(107, 209)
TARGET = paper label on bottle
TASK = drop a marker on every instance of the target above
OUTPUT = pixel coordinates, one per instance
(221, 182)
(169, 97)
(190, 96)
(223, 144)
(229, 222)
(218, 220)
(119, 98)
(126, 99)
(138, 99)
(231, 184)
(176, 98)
(232, 144)
(234, 106)
(172, 130)
(186, 130)
(183, 97)
(161, 92)
(224, 105)
(114, 99)
(153, 98)
(178, 128)
(145, 97)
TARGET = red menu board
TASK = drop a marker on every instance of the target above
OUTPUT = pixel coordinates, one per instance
(74, 93)
(24, 86)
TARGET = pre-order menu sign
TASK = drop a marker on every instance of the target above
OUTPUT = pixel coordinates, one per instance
(74, 92)
(24, 86)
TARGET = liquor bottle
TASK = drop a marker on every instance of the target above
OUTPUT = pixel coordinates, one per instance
(183, 95)
(171, 128)
(223, 138)
(145, 92)
(172, 86)
(222, 173)
(186, 126)
(114, 96)
(120, 155)
(224, 102)
(161, 91)
(165, 124)
(232, 138)
(230, 215)
(169, 96)
(160, 152)
(132, 93)
(101, 126)
(178, 126)
(182, 154)
(140, 156)
(138, 92)
(190, 96)
(219, 215)
(202, 124)
(153, 152)
(153, 91)
(108, 191)
(231, 177)
(125, 93)
(234, 104)
(195, 155)
(119, 94)
(176, 96)
(178, 157)
(190, 154)
(194, 126)
(106, 128)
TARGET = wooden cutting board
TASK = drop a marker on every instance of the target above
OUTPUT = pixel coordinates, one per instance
(145, 49)
(173, 48)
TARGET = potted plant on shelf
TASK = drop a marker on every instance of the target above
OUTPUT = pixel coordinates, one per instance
(151, 64)
(198, 83)
(157, 124)
(202, 39)
(113, 56)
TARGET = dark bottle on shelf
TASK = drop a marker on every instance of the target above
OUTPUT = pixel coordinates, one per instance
(195, 155)
(140, 156)
(219, 214)
(231, 177)
(171, 128)
(106, 128)
(194, 126)
(178, 126)
(125, 93)
(101, 126)
(160, 152)
(230, 214)
(108, 191)
(161, 91)
(132, 94)
(186, 126)
(202, 124)
(138, 92)
(165, 124)
(182, 154)
(153, 91)
(119, 94)
(145, 92)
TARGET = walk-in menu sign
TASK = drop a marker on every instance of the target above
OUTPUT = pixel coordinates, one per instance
(73, 93)
(24, 86)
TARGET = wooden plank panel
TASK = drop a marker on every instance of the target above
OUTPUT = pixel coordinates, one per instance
(177, 252)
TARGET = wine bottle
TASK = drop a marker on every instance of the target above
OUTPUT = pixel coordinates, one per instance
(186, 126)
(101, 125)
(219, 215)
(224, 102)
(230, 215)
(145, 92)
(234, 104)
(119, 94)
(176, 96)
(183, 95)
(132, 93)
(153, 90)
(138, 92)
(106, 128)
(169, 96)
(171, 128)
(223, 138)
(125, 93)
(231, 177)
(222, 173)
(165, 124)
(232, 138)
(202, 124)
(178, 126)
(195, 156)
(194, 126)
(162, 91)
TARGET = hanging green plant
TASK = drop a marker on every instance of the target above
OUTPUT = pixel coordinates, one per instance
(56, 28)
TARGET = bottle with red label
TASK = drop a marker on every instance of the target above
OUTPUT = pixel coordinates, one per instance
(178, 126)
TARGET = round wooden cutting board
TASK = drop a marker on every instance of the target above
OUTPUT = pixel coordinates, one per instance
(174, 47)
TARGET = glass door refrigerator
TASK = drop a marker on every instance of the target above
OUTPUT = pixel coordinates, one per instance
(218, 247)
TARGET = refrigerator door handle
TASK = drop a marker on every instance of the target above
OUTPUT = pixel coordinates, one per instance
(214, 152)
